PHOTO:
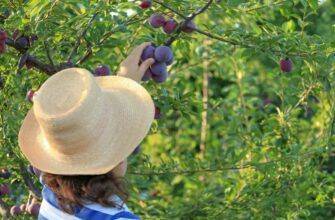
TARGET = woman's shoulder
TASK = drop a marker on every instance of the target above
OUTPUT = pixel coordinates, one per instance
(91, 211)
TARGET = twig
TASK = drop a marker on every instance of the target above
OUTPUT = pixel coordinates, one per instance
(83, 33)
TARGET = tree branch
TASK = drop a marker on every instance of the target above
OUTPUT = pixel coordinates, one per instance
(48, 69)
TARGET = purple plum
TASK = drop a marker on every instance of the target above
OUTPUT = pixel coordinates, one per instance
(158, 69)
(160, 78)
(148, 52)
(23, 42)
(15, 210)
(157, 113)
(170, 26)
(188, 27)
(157, 20)
(102, 70)
(4, 189)
(33, 209)
(145, 4)
(23, 207)
(286, 65)
(163, 54)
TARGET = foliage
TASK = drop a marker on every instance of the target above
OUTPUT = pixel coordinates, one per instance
(262, 146)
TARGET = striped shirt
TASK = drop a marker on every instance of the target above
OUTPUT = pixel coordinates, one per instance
(93, 211)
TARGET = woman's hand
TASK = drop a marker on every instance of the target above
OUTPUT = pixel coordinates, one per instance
(130, 67)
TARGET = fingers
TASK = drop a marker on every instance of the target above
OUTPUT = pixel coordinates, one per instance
(137, 52)
(145, 65)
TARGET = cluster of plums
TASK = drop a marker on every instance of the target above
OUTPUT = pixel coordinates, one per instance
(163, 57)
(32, 207)
(170, 25)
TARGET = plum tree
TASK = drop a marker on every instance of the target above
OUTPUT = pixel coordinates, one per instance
(188, 27)
(286, 65)
(148, 52)
(102, 70)
(158, 69)
(163, 54)
(146, 4)
(15, 210)
(157, 20)
(170, 26)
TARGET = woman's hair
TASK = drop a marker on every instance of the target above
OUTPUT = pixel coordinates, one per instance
(75, 191)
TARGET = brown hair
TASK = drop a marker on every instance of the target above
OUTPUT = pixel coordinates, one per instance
(74, 191)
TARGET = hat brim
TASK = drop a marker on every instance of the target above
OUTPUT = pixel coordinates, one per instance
(131, 114)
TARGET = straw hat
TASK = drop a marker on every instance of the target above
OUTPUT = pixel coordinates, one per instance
(85, 125)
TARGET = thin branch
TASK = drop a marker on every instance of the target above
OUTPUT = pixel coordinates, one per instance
(201, 10)
(83, 33)
(48, 69)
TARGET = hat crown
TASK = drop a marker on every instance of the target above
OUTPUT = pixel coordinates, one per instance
(67, 107)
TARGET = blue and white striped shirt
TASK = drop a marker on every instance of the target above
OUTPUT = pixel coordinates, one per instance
(51, 211)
